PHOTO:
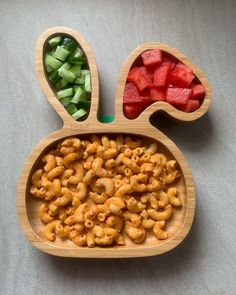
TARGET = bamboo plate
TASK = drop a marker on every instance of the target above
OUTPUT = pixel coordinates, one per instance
(179, 226)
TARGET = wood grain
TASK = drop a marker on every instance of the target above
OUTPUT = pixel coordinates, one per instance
(180, 224)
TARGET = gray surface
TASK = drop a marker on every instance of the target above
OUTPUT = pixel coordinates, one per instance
(206, 32)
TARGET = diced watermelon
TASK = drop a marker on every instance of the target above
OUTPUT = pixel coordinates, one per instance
(169, 60)
(191, 106)
(138, 79)
(178, 96)
(146, 101)
(144, 93)
(146, 73)
(180, 77)
(145, 98)
(152, 57)
(198, 91)
(150, 70)
(187, 69)
(161, 74)
(131, 94)
(157, 93)
(132, 111)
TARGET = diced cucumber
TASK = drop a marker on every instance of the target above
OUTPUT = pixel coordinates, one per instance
(66, 66)
(64, 83)
(54, 41)
(71, 108)
(76, 87)
(61, 53)
(65, 93)
(53, 52)
(54, 77)
(76, 69)
(78, 52)
(67, 75)
(48, 69)
(69, 44)
(85, 104)
(76, 60)
(79, 80)
(79, 114)
(80, 94)
(84, 73)
(61, 84)
(63, 63)
(52, 62)
(87, 83)
(65, 101)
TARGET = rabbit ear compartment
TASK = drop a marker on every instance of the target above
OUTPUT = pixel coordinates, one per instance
(157, 77)
(64, 61)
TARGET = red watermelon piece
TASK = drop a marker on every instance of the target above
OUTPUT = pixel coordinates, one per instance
(179, 77)
(152, 57)
(161, 74)
(198, 92)
(157, 93)
(131, 94)
(135, 76)
(187, 69)
(191, 106)
(178, 96)
(170, 61)
(146, 73)
(132, 111)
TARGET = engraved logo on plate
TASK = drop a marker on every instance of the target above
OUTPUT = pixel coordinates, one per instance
(79, 128)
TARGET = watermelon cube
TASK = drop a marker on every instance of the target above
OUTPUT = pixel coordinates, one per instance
(178, 96)
(191, 106)
(161, 74)
(169, 60)
(135, 76)
(187, 69)
(146, 73)
(131, 94)
(198, 91)
(157, 93)
(179, 77)
(133, 110)
(152, 57)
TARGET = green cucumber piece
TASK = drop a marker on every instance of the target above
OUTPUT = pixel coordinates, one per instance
(65, 101)
(85, 104)
(65, 93)
(54, 41)
(54, 77)
(69, 44)
(71, 108)
(61, 53)
(87, 83)
(80, 94)
(76, 69)
(52, 62)
(78, 52)
(79, 80)
(67, 75)
(84, 73)
(79, 114)
(76, 60)
(61, 84)
(48, 69)
(76, 88)
(53, 52)
(66, 66)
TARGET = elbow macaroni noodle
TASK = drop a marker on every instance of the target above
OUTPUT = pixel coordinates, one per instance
(101, 190)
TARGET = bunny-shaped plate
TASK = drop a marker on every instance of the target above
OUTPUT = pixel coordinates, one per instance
(27, 207)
